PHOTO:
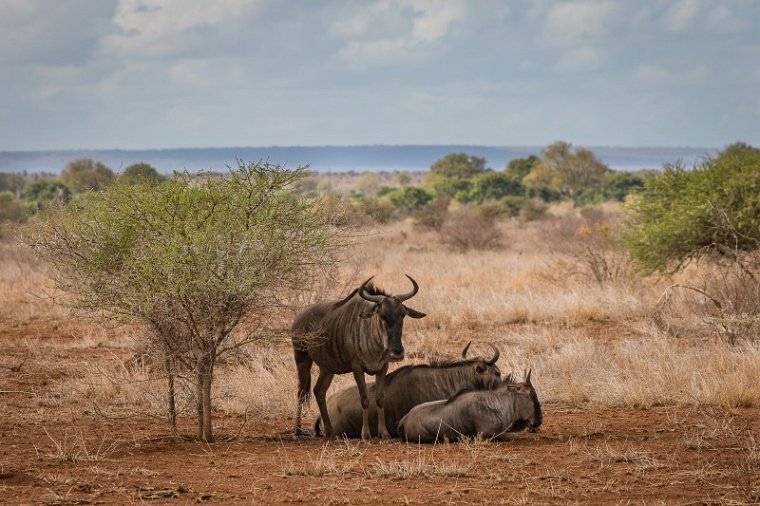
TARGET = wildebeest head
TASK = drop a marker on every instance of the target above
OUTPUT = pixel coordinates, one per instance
(527, 408)
(485, 371)
(391, 310)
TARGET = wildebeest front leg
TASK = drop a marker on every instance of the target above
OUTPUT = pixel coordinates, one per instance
(380, 402)
(362, 386)
(320, 391)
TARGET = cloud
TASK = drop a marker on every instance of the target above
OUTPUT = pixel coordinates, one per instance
(721, 19)
(395, 30)
(682, 16)
(686, 15)
(161, 28)
(578, 23)
(40, 32)
(581, 59)
(654, 76)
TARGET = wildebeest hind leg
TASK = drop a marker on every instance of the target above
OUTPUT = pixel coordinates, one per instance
(303, 363)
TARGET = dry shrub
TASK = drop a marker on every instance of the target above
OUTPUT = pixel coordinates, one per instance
(715, 299)
(592, 242)
(468, 231)
(432, 216)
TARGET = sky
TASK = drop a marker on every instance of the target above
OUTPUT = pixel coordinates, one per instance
(151, 74)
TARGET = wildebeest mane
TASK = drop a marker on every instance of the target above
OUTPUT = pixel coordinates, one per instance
(435, 363)
(481, 385)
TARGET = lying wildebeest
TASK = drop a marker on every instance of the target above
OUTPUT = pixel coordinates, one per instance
(407, 387)
(510, 407)
(359, 334)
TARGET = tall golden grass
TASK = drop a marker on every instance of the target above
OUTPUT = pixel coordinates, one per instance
(587, 345)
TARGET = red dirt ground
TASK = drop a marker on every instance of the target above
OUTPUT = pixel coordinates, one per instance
(667, 455)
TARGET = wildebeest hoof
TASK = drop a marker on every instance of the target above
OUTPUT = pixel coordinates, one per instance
(305, 432)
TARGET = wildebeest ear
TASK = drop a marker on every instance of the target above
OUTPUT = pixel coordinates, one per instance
(368, 314)
(414, 313)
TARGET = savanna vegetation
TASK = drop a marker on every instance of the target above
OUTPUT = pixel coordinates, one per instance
(632, 297)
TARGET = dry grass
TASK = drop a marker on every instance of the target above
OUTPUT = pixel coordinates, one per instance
(587, 345)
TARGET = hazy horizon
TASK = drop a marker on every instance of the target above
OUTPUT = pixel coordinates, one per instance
(334, 158)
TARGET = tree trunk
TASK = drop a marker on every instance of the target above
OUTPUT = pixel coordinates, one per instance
(203, 386)
(171, 398)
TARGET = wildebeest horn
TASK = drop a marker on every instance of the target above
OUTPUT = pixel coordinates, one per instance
(464, 351)
(415, 288)
(527, 378)
(372, 298)
(495, 355)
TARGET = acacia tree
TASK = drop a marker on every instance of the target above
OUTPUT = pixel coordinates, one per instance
(685, 214)
(86, 175)
(709, 214)
(565, 171)
(138, 172)
(192, 259)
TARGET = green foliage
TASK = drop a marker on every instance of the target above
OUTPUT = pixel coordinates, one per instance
(409, 198)
(86, 175)
(384, 190)
(11, 210)
(11, 182)
(191, 258)
(683, 215)
(491, 186)
(566, 172)
(138, 173)
(521, 167)
(449, 187)
(41, 192)
(458, 165)
(403, 178)
(617, 185)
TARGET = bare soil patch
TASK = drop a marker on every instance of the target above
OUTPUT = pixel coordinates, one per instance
(59, 451)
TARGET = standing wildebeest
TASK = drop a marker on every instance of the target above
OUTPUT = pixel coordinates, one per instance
(359, 334)
(407, 387)
(510, 407)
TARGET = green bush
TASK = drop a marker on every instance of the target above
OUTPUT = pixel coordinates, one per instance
(491, 186)
(86, 175)
(11, 210)
(683, 215)
(39, 193)
(409, 198)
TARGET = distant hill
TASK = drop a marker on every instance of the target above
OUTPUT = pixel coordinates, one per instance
(330, 158)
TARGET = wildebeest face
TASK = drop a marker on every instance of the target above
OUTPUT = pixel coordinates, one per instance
(527, 406)
(392, 312)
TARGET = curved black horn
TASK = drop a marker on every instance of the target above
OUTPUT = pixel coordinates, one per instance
(464, 351)
(495, 355)
(415, 288)
(527, 378)
(372, 298)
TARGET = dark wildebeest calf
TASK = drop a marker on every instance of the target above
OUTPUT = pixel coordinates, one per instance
(359, 334)
(510, 407)
(407, 387)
